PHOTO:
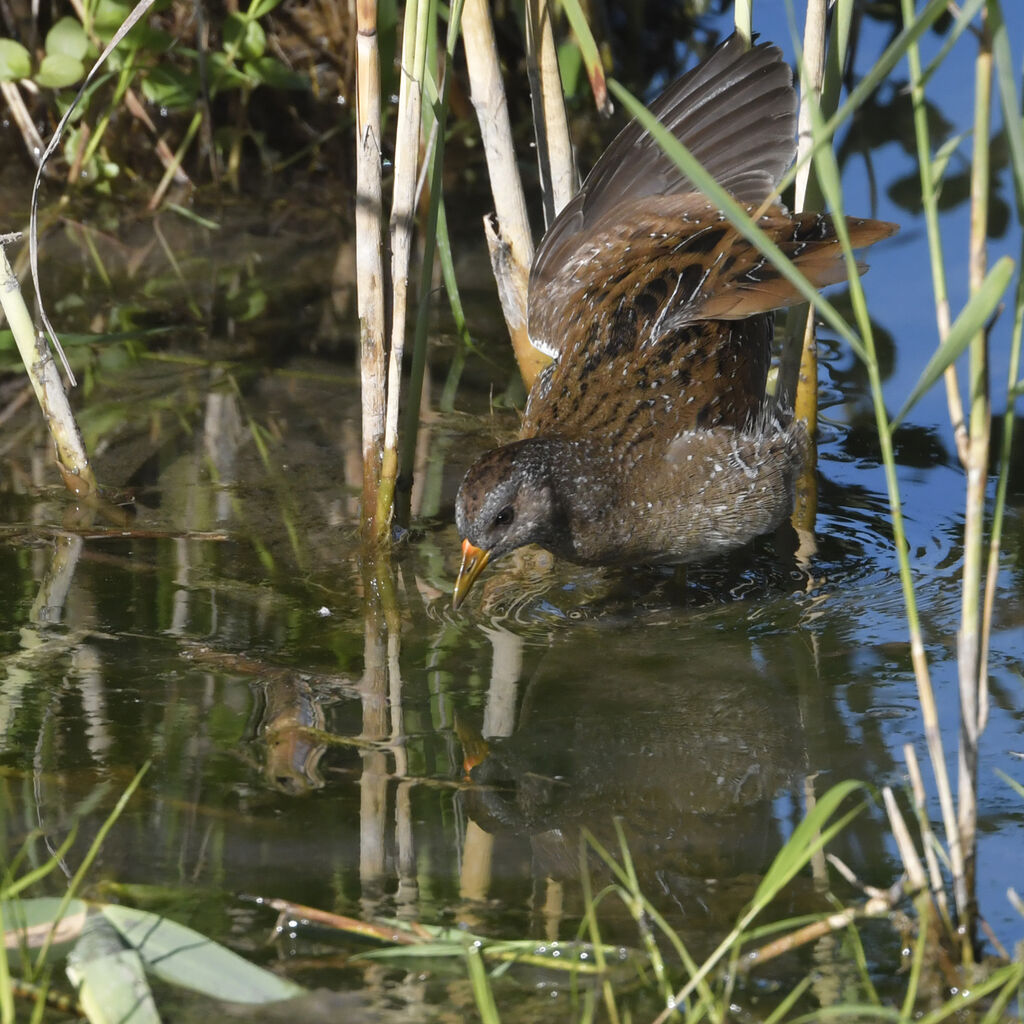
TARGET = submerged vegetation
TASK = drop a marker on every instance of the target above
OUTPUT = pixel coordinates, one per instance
(228, 100)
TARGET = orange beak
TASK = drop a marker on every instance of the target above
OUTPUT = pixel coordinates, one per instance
(474, 561)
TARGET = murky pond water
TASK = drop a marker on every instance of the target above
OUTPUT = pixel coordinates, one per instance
(306, 745)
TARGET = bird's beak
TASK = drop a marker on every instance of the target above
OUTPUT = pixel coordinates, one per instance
(474, 560)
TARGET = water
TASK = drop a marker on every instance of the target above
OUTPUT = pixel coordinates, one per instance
(302, 749)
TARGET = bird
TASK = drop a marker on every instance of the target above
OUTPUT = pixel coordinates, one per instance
(649, 438)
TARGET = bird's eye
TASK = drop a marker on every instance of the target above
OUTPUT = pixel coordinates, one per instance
(505, 517)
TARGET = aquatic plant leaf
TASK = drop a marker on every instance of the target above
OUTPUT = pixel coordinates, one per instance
(27, 924)
(183, 957)
(110, 980)
(15, 61)
(972, 319)
(68, 37)
(58, 71)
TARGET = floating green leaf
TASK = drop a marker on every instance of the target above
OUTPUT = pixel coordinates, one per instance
(109, 979)
(181, 956)
(27, 923)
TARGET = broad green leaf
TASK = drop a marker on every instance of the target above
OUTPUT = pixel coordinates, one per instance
(110, 981)
(109, 15)
(58, 71)
(15, 61)
(243, 37)
(28, 922)
(67, 37)
(261, 7)
(181, 956)
(972, 319)
(113, 989)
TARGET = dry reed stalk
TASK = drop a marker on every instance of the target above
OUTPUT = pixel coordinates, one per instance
(23, 119)
(805, 388)
(973, 701)
(369, 257)
(943, 317)
(916, 875)
(72, 459)
(403, 203)
(812, 77)
(743, 16)
(922, 675)
(928, 841)
(554, 147)
(508, 233)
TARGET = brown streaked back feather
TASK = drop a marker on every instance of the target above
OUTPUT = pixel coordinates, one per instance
(809, 240)
(736, 113)
(667, 321)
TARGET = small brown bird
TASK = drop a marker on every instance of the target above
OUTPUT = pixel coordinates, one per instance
(649, 438)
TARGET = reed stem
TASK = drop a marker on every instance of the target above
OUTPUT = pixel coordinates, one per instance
(979, 432)
(369, 258)
(551, 130)
(403, 205)
(72, 459)
(508, 237)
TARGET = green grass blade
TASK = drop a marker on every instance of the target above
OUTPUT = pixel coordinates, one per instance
(1012, 975)
(736, 214)
(94, 849)
(12, 889)
(849, 1011)
(6, 995)
(481, 984)
(962, 22)
(183, 957)
(874, 77)
(591, 56)
(807, 838)
(789, 1002)
(972, 318)
(1012, 783)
